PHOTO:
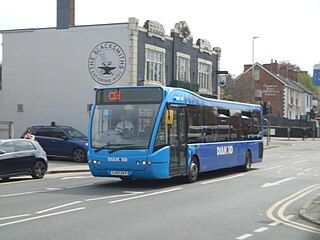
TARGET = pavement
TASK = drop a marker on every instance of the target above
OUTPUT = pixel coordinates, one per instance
(310, 211)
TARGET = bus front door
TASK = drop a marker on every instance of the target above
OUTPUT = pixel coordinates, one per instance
(178, 141)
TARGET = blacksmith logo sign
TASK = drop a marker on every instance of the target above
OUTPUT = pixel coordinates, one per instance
(107, 63)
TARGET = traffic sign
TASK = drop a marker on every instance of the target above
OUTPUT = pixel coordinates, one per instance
(316, 75)
(317, 118)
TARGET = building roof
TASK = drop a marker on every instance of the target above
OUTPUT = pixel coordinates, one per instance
(287, 82)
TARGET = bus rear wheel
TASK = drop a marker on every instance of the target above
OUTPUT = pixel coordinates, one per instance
(193, 171)
(248, 160)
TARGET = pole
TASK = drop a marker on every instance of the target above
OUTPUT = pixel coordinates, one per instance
(253, 87)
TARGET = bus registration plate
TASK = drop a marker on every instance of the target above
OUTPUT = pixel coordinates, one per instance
(119, 173)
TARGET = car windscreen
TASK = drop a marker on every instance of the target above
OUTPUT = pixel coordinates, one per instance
(74, 133)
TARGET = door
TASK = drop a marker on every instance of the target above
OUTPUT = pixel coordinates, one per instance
(7, 158)
(178, 140)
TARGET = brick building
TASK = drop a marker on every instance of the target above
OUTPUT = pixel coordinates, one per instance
(277, 86)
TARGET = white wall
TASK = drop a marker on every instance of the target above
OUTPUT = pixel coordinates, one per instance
(47, 71)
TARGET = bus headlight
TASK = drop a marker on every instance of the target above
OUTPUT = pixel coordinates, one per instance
(143, 162)
(96, 161)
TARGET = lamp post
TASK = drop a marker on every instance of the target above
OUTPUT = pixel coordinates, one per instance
(253, 87)
(253, 38)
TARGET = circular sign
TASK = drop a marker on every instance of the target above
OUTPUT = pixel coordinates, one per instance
(107, 63)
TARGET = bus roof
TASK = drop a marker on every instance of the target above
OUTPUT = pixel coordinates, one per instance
(184, 96)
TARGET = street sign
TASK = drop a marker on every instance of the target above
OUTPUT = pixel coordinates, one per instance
(222, 80)
(316, 75)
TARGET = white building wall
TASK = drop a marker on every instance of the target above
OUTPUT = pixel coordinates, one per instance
(47, 71)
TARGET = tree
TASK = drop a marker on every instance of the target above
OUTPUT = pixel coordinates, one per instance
(306, 80)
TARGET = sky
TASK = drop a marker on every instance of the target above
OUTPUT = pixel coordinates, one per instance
(287, 30)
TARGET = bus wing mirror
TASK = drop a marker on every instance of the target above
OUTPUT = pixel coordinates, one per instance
(169, 117)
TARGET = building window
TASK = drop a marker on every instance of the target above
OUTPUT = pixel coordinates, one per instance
(204, 75)
(20, 108)
(155, 62)
(183, 67)
(257, 74)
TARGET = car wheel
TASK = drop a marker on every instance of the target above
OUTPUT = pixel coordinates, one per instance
(39, 170)
(79, 155)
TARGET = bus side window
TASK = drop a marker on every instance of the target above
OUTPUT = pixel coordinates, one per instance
(223, 125)
(235, 124)
(256, 128)
(162, 136)
(246, 125)
(195, 124)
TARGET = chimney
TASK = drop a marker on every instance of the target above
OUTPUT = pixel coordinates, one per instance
(65, 14)
(275, 67)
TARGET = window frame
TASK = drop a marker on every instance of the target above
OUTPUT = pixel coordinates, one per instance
(156, 74)
(186, 71)
(204, 77)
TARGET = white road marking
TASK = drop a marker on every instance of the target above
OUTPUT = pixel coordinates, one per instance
(271, 168)
(244, 236)
(27, 193)
(274, 224)
(223, 179)
(289, 217)
(76, 177)
(108, 197)
(76, 186)
(299, 162)
(299, 174)
(17, 216)
(262, 229)
(146, 195)
(57, 207)
(307, 170)
(43, 216)
(132, 192)
(272, 155)
(277, 183)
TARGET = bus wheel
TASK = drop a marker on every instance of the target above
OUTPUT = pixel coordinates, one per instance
(193, 171)
(248, 160)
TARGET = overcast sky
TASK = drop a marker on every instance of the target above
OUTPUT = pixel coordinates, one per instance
(288, 30)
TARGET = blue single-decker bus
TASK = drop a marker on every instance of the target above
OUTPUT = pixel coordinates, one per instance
(163, 132)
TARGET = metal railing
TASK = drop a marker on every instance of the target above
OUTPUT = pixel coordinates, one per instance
(6, 129)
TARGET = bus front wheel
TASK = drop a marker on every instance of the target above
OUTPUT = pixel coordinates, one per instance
(193, 171)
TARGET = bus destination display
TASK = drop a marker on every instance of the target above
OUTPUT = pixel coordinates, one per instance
(127, 95)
